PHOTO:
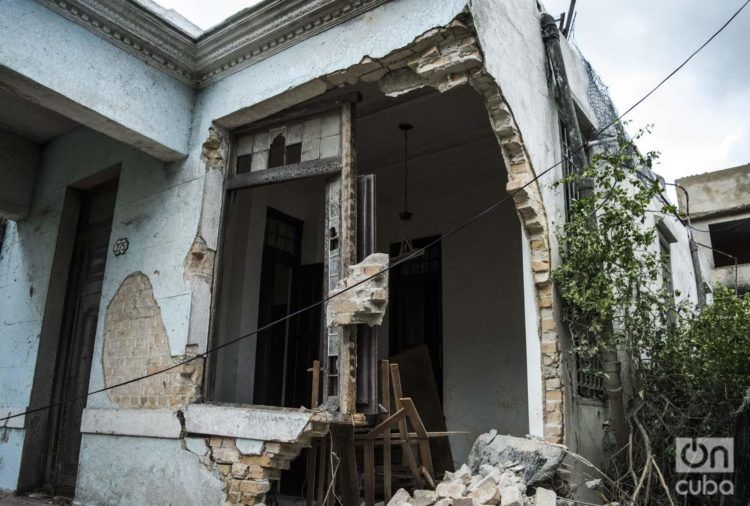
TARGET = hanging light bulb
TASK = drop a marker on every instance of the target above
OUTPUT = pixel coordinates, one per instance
(406, 249)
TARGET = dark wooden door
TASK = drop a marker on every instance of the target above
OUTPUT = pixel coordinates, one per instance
(76, 346)
(304, 335)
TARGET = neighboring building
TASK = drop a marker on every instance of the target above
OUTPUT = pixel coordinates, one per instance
(718, 207)
(137, 156)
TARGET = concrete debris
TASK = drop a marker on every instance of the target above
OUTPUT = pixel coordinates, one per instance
(594, 484)
(365, 303)
(535, 460)
(401, 496)
(545, 497)
(498, 473)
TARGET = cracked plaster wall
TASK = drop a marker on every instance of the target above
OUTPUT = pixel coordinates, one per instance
(156, 204)
(155, 209)
(92, 81)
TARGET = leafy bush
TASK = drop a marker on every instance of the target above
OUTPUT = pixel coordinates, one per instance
(690, 366)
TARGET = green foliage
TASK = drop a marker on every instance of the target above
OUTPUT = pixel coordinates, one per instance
(611, 278)
(689, 365)
(702, 367)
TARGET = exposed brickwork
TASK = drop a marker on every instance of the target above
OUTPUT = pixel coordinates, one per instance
(213, 150)
(200, 260)
(444, 58)
(247, 477)
(135, 344)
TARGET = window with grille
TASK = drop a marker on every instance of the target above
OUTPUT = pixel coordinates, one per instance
(589, 377)
(571, 194)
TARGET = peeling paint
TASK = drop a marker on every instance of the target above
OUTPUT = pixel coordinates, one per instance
(135, 344)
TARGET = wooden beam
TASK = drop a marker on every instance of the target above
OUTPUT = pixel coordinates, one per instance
(300, 170)
(385, 425)
(314, 395)
(343, 445)
(422, 437)
(369, 472)
(385, 398)
(312, 460)
(406, 449)
(322, 471)
(348, 249)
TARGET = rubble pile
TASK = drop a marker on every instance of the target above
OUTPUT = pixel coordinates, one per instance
(501, 470)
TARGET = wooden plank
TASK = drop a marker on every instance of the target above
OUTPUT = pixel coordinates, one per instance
(289, 172)
(385, 425)
(418, 382)
(348, 251)
(406, 449)
(369, 473)
(312, 460)
(314, 396)
(343, 445)
(385, 398)
(422, 437)
(322, 470)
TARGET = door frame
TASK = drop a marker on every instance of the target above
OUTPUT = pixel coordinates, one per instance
(292, 260)
(340, 233)
(33, 468)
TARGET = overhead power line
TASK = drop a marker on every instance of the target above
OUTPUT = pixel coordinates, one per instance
(415, 253)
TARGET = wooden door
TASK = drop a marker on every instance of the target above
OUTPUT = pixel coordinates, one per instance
(280, 264)
(76, 346)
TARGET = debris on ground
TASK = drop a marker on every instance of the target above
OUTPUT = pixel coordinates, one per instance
(501, 470)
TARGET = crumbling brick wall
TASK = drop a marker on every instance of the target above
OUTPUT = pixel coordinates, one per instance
(135, 344)
(247, 467)
(450, 56)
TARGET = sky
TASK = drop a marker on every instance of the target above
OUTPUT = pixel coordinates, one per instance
(700, 117)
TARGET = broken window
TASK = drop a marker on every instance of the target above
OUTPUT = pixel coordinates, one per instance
(300, 140)
(286, 241)
(730, 238)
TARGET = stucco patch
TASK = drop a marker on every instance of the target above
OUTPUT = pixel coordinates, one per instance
(135, 344)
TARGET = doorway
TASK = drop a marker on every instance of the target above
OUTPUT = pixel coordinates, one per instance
(416, 305)
(76, 345)
(286, 350)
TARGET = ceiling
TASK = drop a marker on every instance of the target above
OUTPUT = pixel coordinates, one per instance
(440, 121)
(30, 120)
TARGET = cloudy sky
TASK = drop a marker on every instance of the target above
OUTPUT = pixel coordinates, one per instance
(700, 118)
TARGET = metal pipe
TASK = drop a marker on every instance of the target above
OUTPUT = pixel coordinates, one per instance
(585, 188)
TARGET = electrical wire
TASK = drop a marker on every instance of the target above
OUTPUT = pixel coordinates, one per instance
(415, 253)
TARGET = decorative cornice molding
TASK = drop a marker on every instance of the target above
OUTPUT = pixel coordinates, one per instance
(135, 29)
(242, 40)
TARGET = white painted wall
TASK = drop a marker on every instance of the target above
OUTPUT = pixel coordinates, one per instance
(93, 81)
(157, 207)
(484, 366)
(155, 210)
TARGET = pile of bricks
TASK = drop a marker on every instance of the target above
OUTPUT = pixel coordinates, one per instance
(501, 484)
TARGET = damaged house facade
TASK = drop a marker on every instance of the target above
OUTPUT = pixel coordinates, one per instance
(168, 191)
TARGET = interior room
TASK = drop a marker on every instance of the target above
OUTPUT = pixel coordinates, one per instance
(459, 304)
(463, 298)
